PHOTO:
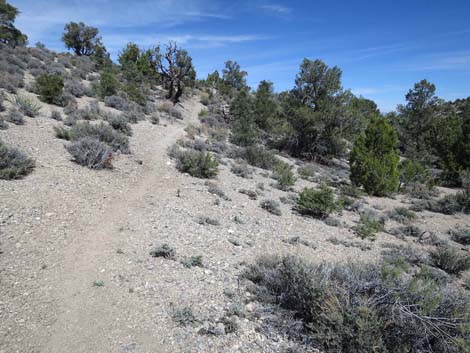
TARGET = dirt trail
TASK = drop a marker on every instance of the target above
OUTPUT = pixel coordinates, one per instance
(88, 317)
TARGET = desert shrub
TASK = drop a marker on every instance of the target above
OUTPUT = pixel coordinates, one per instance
(119, 123)
(62, 133)
(282, 172)
(3, 124)
(2, 107)
(407, 231)
(108, 85)
(91, 152)
(362, 308)
(11, 81)
(134, 116)
(197, 164)
(308, 171)
(259, 157)
(203, 220)
(174, 113)
(216, 190)
(374, 159)
(316, 203)
(369, 224)
(56, 115)
(451, 204)
(450, 259)
(75, 88)
(250, 193)
(193, 261)
(185, 317)
(402, 215)
(350, 190)
(135, 94)
(242, 170)
(154, 119)
(460, 235)
(164, 250)
(412, 172)
(15, 117)
(27, 105)
(271, 206)
(116, 102)
(14, 164)
(102, 132)
(50, 89)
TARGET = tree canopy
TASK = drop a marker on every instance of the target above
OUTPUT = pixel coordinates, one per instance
(9, 34)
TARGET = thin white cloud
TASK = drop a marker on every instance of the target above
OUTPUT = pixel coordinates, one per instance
(276, 8)
(459, 60)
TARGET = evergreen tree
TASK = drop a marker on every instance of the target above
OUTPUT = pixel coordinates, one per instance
(265, 105)
(244, 130)
(374, 159)
(9, 34)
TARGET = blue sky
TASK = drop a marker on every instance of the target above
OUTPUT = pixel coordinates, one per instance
(382, 46)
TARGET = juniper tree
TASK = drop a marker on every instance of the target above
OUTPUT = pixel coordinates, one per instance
(374, 159)
(9, 34)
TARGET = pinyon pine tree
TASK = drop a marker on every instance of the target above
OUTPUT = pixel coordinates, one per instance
(374, 159)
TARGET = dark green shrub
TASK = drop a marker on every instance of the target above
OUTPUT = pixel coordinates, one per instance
(185, 317)
(460, 235)
(14, 164)
(193, 261)
(316, 203)
(197, 164)
(374, 159)
(91, 152)
(361, 308)
(271, 206)
(50, 89)
(135, 94)
(369, 224)
(412, 172)
(259, 157)
(282, 172)
(108, 85)
(450, 260)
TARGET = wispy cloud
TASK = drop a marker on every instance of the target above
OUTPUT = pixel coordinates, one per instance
(276, 8)
(458, 60)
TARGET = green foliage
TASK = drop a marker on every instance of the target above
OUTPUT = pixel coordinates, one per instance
(9, 34)
(197, 164)
(138, 65)
(282, 172)
(82, 39)
(265, 106)
(50, 89)
(450, 260)
(135, 94)
(402, 215)
(361, 308)
(374, 159)
(108, 85)
(14, 164)
(259, 156)
(412, 172)
(317, 203)
(368, 226)
(244, 130)
(233, 78)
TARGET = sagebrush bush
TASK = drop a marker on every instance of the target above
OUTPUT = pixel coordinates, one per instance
(369, 224)
(271, 206)
(56, 115)
(74, 88)
(413, 172)
(120, 123)
(91, 152)
(50, 89)
(402, 215)
(14, 164)
(117, 102)
(460, 235)
(242, 169)
(3, 124)
(27, 105)
(102, 132)
(282, 172)
(197, 164)
(164, 250)
(15, 117)
(361, 308)
(318, 203)
(450, 259)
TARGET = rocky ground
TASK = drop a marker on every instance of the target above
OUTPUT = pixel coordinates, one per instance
(75, 270)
